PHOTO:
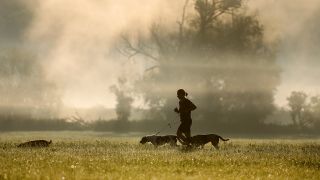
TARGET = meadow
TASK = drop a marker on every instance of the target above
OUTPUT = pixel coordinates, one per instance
(90, 155)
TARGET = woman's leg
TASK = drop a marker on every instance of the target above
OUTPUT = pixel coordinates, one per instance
(181, 138)
(188, 133)
(188, 136)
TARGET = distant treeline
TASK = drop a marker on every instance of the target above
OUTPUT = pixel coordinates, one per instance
(18, 123)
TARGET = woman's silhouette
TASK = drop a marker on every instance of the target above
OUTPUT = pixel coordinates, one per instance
(185, 108)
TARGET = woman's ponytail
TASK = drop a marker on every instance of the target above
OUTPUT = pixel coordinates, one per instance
(186, 94)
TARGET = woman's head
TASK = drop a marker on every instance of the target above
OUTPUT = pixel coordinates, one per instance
(181, 93)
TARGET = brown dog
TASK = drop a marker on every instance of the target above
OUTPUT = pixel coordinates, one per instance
(201, 140)
(160, 140)
(36, 143)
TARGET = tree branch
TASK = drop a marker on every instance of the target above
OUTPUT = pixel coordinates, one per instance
(151, 68)
(158, 42)
(181, 24)
(132, 51)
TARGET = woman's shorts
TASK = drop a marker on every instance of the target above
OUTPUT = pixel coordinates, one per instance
(185, 126)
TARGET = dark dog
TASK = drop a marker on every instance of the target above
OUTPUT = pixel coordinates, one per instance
(36, 143)
(201, 140)
(160, 140)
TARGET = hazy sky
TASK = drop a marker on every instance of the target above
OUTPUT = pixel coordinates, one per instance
(76, 37)
(74, 40)
(296, 24)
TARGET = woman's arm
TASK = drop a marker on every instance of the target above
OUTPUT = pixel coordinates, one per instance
(192, 106)
(176, 109)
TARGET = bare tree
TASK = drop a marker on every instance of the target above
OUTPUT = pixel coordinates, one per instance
(297, 103)
(124, 101)
(210, 10)
(313, 118)
(222, 59)
(181, 24)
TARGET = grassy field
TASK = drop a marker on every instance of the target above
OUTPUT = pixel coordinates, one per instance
(88, 155)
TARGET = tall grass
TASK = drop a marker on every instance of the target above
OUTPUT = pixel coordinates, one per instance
(100, 156)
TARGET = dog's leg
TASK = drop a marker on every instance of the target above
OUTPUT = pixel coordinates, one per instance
(215, 143)
(215, 146)
(173, 142)
(154, 144)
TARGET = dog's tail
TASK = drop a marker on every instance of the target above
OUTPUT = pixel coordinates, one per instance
(223, 139)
